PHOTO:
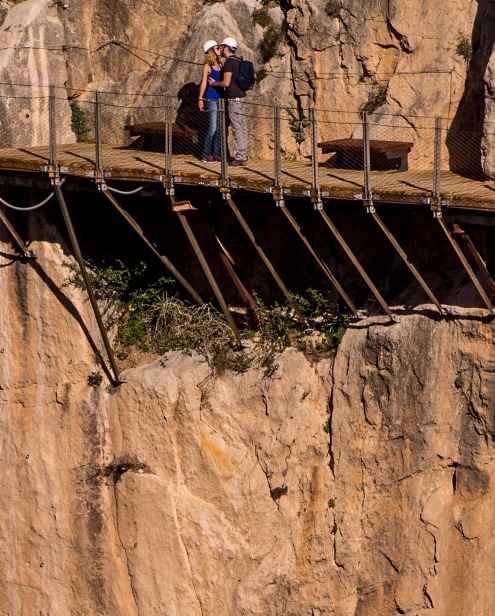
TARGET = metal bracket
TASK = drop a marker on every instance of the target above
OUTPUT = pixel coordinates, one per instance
(436, 204)
(168, 184)
(225, 188)
(368, 201)
(54, 172)
(278, 195)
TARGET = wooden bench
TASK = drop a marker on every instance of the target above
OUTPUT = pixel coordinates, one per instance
(383, 154)
(180, 133)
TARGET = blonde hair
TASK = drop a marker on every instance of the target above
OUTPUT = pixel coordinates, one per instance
(211, 57)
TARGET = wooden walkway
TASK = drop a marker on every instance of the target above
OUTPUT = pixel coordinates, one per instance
(143, 166)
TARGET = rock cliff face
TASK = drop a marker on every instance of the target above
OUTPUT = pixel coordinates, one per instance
(359, 485)
(336, 55)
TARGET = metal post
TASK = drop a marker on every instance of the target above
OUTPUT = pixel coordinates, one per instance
(52, 126)
(437, 154)
(355, 262)
(264, 258)
(84, 273)
(320, 262)
(162, 258)
(405, 258)
(466, 265)
(224, 174)
(460, 233)
(315, 191)
(25, 250)
(168, 178)
(367, 194)
(98, 174)
(277, 190)
(208, 273)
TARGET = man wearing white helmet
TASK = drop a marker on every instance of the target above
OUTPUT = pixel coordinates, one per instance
(236, 99)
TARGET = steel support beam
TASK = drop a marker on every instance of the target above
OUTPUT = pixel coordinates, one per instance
(207, 270)
(405, 258)
(355, 262)
(89, 288)
(264, 258)
(326, 270)
(25, 250)
(465, 263)
(459, 233)
(170, 266)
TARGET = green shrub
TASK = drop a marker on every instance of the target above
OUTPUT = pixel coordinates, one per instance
(376, 98)
(261, 74)
(261, 17)
(298, 125)
(149, 317)
(464, 48)
(272, 37)
(333, 8)
(78, 122)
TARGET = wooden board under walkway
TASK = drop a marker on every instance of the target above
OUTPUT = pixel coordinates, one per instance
(144, 166)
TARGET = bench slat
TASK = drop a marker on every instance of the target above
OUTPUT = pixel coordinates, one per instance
(354, 145)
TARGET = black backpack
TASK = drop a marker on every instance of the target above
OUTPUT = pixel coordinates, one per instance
(245, 77)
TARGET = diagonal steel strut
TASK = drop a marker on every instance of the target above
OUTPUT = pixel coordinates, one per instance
(207, 270)
(320, 261)
(162, 258)
(87, 282)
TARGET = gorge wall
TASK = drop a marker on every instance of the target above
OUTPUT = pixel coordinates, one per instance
(358, 485)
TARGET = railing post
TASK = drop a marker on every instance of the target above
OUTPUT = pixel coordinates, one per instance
(224, 174)
(315, 192)
(99, 175)
(436, 205)
(168, 178)
(277, 190)
(367, 193)
(53, 170)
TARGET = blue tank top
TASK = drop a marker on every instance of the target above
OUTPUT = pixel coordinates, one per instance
(213, 93)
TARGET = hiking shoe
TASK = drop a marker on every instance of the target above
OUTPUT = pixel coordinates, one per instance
(209, 159)
(239, 163)
(218, 159)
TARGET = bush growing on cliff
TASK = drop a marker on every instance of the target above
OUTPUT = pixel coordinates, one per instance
(148, 316)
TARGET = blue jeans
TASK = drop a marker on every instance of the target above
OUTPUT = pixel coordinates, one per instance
(212, 137)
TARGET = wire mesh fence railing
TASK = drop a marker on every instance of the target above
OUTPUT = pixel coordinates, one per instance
(317, 152)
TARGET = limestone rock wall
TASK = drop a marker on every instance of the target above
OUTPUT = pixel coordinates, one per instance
(184, 493)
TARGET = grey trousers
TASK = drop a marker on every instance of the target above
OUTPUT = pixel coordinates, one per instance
(237, 117)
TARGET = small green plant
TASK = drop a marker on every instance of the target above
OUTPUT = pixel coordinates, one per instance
(95, 379)
(261, 74)
(331, 503)
(272, 37)
(333, 8)
(276, 493)
(298, 125)
(326, 427)
(122, 465)
(261, 17)
(78, 122)
(464, 47)
(376, 98)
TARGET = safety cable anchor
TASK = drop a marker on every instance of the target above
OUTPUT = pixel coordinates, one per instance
(436, 204)
(278, 195)
(368, 201)
(315, 194)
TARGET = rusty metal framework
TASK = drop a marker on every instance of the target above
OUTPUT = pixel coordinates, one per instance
(350, 167)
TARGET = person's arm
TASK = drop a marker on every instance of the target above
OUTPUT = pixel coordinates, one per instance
(203, 86)
(225, 83)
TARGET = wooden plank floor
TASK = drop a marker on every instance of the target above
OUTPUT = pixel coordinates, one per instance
(136, 165)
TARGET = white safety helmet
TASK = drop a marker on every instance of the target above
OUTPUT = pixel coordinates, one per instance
(209, 44)
(230, 42)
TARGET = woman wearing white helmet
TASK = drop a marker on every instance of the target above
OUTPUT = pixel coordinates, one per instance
(208, 101)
